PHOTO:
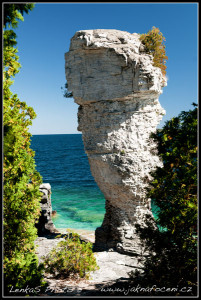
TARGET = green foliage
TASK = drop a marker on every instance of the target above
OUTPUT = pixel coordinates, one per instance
(14, 12)
(153, 42)
(174, 188)
(21, 181)
(71, 257)
(174, 191)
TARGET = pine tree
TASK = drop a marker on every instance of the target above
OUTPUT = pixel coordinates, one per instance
(153, 42)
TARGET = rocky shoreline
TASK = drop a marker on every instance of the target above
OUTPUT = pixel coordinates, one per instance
(113, 267)
(44, 244)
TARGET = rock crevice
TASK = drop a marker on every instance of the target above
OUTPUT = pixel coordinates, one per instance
(117, 89)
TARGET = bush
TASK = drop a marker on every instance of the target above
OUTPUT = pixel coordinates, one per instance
(173, 251)
(71, 257)
(153, 42)
(21, 195)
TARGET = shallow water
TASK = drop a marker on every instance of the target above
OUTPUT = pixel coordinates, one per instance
(62, 162)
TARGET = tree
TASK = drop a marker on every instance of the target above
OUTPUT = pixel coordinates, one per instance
(21, 205)
(173, 262)
(153, 42)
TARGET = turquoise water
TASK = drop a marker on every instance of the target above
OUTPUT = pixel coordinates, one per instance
(81, 207)
(62, 162)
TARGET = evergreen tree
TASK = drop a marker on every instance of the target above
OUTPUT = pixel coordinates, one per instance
(21, 196)
(153, 42)
(173, 262)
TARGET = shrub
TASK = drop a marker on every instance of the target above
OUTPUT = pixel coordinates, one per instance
(71, 257)
(153, 42)
(173, 251)
(21, 195)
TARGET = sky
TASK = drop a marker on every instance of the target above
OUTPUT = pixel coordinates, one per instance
(44, 37)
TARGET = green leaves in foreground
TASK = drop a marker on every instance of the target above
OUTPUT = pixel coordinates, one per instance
(21, 195)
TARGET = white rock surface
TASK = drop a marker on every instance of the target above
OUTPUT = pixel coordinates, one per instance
(117, 88)
(114, 266)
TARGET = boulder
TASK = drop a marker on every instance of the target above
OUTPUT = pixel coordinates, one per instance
(45, 224)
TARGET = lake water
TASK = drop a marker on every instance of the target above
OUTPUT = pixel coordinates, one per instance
(62, 162)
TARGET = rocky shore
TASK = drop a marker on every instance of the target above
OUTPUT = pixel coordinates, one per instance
(114, 267)
(44, 244)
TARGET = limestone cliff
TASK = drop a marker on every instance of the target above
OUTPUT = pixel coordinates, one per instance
(117, 89)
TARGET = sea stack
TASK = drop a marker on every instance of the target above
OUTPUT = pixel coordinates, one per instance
(117, 87)
(45, 225)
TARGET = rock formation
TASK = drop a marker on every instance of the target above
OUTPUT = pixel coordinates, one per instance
(45, 225)
(117, 88)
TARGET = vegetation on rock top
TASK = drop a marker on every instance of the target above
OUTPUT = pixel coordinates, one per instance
(153, 42)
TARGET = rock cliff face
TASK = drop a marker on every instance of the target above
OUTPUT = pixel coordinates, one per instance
(117, 89)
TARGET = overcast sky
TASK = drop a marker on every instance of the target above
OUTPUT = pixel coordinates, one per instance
(45, 35)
